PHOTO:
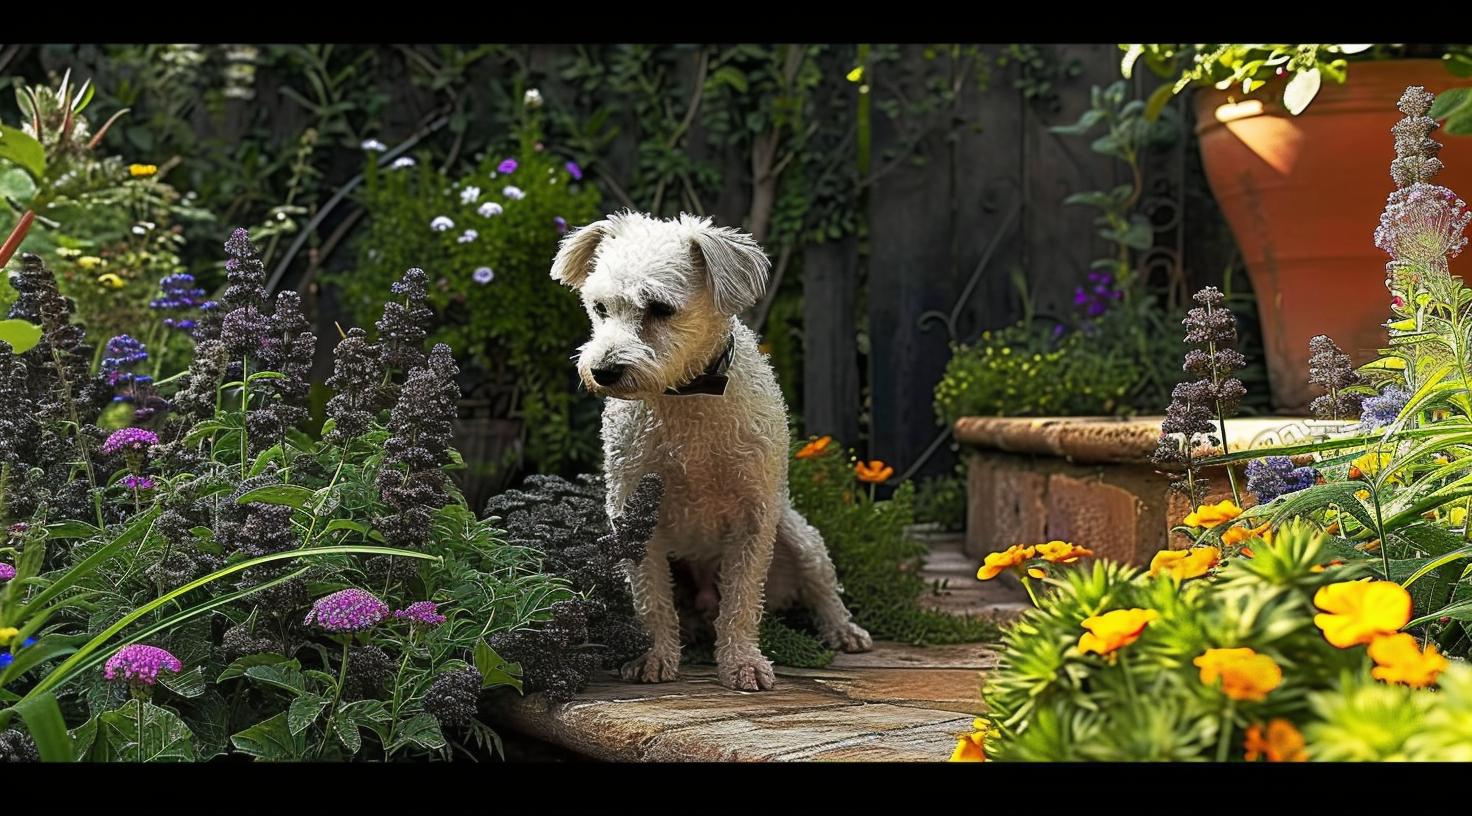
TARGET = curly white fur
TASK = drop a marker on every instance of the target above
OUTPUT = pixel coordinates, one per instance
(663, 296)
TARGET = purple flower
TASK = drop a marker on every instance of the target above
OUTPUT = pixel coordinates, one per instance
(422, 612)
(483, 275)
(1382, 409)
(350, 610)
(140, 664)
(574, 171)
(1275, 476)
(6, 572)
(507, 166)
(560, 223)
(133, 482)
(122, 352)
(138, 440)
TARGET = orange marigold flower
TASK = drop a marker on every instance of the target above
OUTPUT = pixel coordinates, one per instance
(1183, 564)
(1114, 630)
(873, 472)
(1245, 674)
(1399, 660)
(1210, 515)
(1240, 533)
(971, 747)
(998, 562)
(1281, 743)
(1062, 552)
(1357, 612)
(814, 447)
(1321, 567)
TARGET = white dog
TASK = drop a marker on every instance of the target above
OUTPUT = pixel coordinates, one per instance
(695, 401)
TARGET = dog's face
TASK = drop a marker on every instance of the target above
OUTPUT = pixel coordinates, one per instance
(660, 295)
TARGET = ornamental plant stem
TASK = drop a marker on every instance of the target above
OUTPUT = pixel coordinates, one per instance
(342, 679)
(1223, 742)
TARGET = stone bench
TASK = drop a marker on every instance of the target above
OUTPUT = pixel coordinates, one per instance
(1088, 480)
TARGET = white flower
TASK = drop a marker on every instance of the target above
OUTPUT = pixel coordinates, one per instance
(513, 192)
(468, 236)
(441, 224)
(402, 161)
(489, 209)
(469, 195)
(374, 145)
(484, 275)
(533, 98)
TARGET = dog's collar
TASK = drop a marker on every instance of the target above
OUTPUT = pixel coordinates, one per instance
(713, 379)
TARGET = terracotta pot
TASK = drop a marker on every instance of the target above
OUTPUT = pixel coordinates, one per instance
(1303, 195)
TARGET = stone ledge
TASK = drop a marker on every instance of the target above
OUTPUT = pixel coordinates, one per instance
(895, 704)
(1116, 440)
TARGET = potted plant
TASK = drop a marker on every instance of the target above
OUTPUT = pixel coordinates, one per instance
(1282, 133)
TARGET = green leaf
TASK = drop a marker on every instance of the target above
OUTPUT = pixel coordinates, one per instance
(16, 184)
(1301, 90)
(304, 711)
(1127, 63)
(23, 151)
(1354, 49)
(43, 720)
(289, 495)
(1461, 610)
(347, 524)
(494, 669)
(1449, 102)
(347, 732)
(286, 676)
(116, 735)
(1159, 98)
(71, 529)
(271, 740)
(728, 75)
(188, 685)
(422, 730)
(265, 458)
(237, 669)
(20, 334)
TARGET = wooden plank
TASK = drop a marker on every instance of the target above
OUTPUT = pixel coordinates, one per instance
(830, 339)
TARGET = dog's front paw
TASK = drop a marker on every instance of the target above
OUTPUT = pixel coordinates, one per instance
(653, 667)
(848, 637)
(745, 672)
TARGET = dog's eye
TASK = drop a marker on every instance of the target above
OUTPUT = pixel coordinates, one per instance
(599, 309)
(658, 309)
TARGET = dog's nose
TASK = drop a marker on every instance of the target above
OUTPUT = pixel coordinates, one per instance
(608, 375)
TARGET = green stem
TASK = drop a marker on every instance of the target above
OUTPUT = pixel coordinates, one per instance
(1027, 585)
(1224, 741)
(398, 684)
(342, 679)
(244, 416)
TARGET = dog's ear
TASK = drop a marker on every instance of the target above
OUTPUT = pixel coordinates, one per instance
(735, 264)
(575, 254)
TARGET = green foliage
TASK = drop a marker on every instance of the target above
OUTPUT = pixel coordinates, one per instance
(877, 564)
(942, 500)
(1247, 67)
(517, 327)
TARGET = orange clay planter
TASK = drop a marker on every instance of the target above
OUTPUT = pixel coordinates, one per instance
(1294, 190)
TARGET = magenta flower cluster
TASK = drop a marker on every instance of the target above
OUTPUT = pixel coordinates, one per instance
(6, 572)
(133, 482)
(140, 664)
(425, 613)
(138, 440)
(349, 610)
(507, 166)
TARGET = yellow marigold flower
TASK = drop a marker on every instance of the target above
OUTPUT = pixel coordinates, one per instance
(89, 261)
(1399, 660)
(142, 170)
(1245, 674)
(998, 562)
(856, 74)
(1062, 552)
(814, 447)
(1114, 630)
(1183, 564)
(1036, 572)
(971, 747)
(6, 633)
(1321, 567)
(1239, 534)
(873, 472)
(1282, 743)
(1368, 465)
(111, 281)
(1357, 612)
(1210, 515)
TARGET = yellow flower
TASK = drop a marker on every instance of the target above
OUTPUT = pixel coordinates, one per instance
(1369, 464)
(971, 747)
(1458, 515)
(111, 281)
(1210, 515)
(1239, 534)
(1399, 660)
(1357, 612)
(1183, 564)
(1114, 630)
(6, 633)
(814, 447)
(873, 472)
(1321, 567)
(856, 74)
(1245, 674)
(1282, 743)
(998, 562)
(89, 261)
(1062, 552)
(142, 170)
